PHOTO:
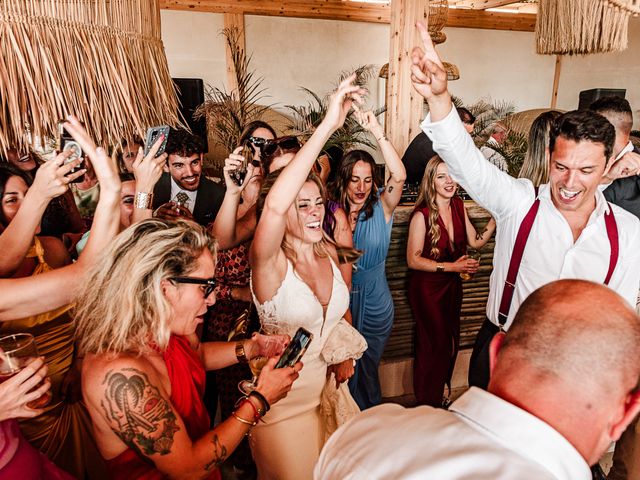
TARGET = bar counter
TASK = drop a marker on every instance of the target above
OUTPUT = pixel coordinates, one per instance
(475, 291)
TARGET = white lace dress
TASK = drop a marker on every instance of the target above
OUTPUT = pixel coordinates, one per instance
(288, 443)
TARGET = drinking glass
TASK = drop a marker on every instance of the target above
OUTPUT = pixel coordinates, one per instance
(255, 364)
(474, 255)
(16, 352)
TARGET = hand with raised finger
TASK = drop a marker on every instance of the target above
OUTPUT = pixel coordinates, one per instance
(26, 386)
(342, 100)
(275, 383)
(428, 75)
(53, 177)
(148, 169)
(105, 167)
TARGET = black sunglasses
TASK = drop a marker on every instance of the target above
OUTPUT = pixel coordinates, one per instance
(259, 141)
(282, 143)
(209, 282)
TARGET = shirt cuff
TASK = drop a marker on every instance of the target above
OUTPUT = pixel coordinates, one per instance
(429, 127)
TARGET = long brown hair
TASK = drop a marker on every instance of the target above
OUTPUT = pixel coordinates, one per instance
(340, 185)
(427, 198)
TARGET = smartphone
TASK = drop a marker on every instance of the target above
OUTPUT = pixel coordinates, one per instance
(67, 143)
(152, 135)
(296, 348)
(240, 173)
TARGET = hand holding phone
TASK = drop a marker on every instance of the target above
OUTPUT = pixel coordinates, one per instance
(67, 144)
(238, 175)
(296, 348)
(152, 135)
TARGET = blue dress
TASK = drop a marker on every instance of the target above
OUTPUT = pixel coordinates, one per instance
(371, 303)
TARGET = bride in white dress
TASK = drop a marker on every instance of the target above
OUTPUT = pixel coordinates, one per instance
(295, 281)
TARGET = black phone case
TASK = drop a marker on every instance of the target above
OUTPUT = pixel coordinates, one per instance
(296, 349)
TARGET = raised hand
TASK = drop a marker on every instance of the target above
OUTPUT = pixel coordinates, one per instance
(53, 178)
(428, 75)
(627, 166)
(104, 166)
(369, 122)
(231, 163)
(148, 169)
(341, 102)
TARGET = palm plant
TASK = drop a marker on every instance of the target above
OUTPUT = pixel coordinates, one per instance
(307, 117)
(228, 112)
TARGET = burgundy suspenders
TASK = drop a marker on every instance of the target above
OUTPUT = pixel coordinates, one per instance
(521, 242)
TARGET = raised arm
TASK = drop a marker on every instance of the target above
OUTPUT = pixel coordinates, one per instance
(50, 181)
(397, 173)
(271, 227)
(496, 191)
(228, 229)
(32, 295)
(477, 239)
(147, 170)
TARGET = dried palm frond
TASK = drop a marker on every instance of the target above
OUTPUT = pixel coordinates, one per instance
(583, 26)
(226, 112)
(307, 117)
(102, 60)
(513, 149)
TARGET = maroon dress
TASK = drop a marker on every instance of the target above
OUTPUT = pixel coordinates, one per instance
(436, 300)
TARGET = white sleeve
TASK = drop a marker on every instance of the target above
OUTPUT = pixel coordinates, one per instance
(497, 191)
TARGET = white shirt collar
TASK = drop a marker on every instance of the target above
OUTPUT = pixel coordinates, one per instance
(521, 432)
(627, 148)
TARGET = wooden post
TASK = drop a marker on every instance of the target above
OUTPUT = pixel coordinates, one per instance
(556, 81)
(233, 20)
(404, 105)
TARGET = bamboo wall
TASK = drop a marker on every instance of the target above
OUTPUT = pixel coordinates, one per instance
(475, 291)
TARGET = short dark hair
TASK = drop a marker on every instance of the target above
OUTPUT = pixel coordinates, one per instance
(611, 104)
(183, 143)
(583, 125)
(465, 115)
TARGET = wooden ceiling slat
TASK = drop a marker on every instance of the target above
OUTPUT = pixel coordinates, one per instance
(350, 11)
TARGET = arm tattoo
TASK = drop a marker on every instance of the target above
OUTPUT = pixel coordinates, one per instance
(137, 413)
(479, 235)
(390, 189)
(418, 253)
(219, 454)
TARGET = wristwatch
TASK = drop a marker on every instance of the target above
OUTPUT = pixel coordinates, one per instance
(440, 267)
(241, 355)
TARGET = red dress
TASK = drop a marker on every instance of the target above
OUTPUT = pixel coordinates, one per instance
(187, 377)
(436, 301)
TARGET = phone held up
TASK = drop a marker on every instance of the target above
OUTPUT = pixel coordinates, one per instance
(67, 143)
(152, 136)
(296, 348)
(238, 175)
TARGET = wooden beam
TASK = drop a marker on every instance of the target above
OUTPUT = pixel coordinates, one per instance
(233, 20)
(556, 81)
(405, 107)
(349, 11)
(484, 4)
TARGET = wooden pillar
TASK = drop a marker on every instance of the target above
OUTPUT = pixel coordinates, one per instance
(404, 104)
(556, 81)
(233, 20)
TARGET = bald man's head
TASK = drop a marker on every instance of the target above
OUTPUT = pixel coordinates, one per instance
(575, 331)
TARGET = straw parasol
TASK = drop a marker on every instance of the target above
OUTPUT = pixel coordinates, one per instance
(101, 60)
(583, 26)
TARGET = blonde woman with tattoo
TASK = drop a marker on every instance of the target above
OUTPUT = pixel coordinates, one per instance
(144, 369)
(439, 233)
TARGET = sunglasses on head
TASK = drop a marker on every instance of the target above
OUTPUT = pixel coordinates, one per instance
(209, 282)
(259, 141)
(283, 143)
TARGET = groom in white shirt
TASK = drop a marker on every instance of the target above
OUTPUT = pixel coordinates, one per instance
(573, 234)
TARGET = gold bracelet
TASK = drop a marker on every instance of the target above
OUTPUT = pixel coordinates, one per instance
(144, 200)
(242, 420)
(440, 267)
(241, 354)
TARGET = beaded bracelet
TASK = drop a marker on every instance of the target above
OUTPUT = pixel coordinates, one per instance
(257, 411)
